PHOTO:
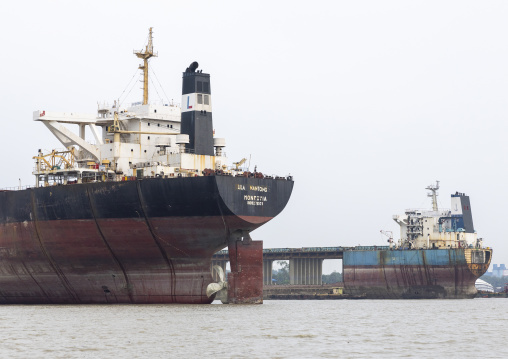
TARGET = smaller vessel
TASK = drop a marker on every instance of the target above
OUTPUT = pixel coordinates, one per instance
(439, 255)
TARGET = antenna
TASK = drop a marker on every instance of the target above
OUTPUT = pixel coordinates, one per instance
(145, 56)
(433, 194)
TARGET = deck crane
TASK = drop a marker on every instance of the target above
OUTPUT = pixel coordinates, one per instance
(389, 234)
(239, 163)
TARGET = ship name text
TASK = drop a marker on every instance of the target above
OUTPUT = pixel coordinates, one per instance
(242, 187)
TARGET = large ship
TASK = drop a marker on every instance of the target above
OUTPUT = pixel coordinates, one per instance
(136, 216)
(439, 255)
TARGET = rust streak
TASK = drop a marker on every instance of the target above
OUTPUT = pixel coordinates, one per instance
(52, 263)
(127, 282)
(171, 267)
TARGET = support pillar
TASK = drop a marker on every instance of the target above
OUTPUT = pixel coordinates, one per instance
(314, 271)
(297, 271)
(292, 271)
(301, 271)
(245, 281)
(320, 271)
(303, 274)
(306, 271)
(267, 271)
(309, 265)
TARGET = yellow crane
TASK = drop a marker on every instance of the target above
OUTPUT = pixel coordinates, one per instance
(239, 163)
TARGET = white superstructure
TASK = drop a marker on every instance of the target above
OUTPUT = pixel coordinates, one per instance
(445, 228)
(143, 140)
(149, 141)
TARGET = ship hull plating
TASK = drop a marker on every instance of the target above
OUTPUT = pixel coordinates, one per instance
(415, 274)
(147, 241)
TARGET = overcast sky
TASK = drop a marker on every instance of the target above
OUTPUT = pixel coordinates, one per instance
(365, 103)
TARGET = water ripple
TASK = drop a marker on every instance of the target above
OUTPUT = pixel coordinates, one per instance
(276, 329)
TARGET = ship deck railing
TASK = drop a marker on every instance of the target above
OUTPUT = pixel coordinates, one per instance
(16, 188)
(427, 210)
(316, 249)
(322, 252)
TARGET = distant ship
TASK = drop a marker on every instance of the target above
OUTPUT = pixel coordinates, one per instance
(439, 255)
(137, 216)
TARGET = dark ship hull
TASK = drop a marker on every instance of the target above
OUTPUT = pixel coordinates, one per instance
(415, 274)
(142, 241)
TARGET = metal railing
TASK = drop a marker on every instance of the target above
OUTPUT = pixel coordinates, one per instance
(316, 249)
(426, 210)
(16, 188)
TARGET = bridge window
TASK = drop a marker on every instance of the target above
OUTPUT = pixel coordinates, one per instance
(200, 99)
(206, 100)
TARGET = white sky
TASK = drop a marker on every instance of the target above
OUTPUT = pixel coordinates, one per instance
(365, 103)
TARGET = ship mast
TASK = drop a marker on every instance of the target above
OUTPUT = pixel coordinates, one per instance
(433, 194)
(145, 56)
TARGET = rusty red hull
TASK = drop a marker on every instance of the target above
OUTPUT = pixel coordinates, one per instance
(148, 241)
(415, 274)
(245, 281)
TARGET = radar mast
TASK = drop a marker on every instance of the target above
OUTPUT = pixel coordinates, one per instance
(145, 55)
(433, 194)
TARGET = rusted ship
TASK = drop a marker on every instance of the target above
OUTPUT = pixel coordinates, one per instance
(137, 216)
(439, 255)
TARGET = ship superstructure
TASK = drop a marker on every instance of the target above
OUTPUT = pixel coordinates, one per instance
(445, 228)
(142, 140)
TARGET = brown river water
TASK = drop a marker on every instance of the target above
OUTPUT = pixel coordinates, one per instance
(476, 328)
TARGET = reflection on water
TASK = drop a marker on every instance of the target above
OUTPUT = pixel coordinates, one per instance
(276, 329)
